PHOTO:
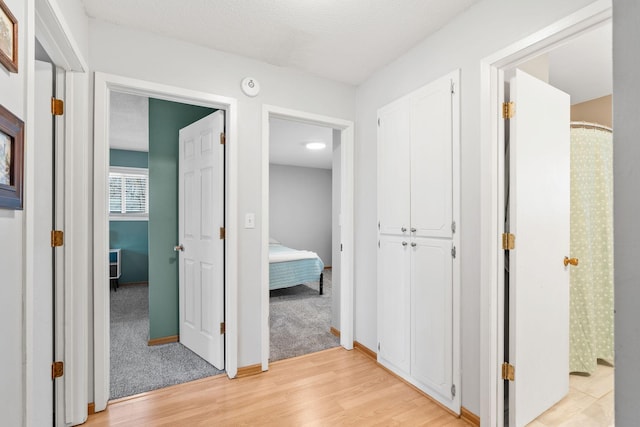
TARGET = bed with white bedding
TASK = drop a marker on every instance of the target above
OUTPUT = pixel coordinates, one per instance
(290, 267)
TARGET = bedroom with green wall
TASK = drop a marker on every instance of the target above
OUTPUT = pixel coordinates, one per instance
(131, 237)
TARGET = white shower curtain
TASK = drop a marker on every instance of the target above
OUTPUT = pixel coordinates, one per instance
(591, 310)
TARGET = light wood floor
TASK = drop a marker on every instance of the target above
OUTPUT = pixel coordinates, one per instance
(588, 404)
(332, 387)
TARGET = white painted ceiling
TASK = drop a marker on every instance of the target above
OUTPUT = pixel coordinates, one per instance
(584, 67)
(129, 122)
(287, 141)
(341, 40)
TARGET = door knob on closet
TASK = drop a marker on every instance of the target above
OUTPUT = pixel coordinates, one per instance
(572, 261)
(414, 244)
(403, 229)
(178, 248)
(404, 243)
(413, 229)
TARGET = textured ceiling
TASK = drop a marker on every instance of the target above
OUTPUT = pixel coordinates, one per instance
(343, 40)
(287, 140)
(128, 122)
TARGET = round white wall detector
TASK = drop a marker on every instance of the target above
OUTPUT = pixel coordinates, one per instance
(250, 86)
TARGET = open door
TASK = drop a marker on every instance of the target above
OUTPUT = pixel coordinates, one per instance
(201, 233)
(43, 295)
(539, 203)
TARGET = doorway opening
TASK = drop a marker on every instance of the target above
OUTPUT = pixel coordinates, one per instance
(147, 349)
(493, 294)
(334, 238)
(105, 87)
(581, 68)
(304, 244)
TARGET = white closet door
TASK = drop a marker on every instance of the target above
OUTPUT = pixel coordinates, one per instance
(393, 302)
(432, 314)
(431, 160)
(393, 168)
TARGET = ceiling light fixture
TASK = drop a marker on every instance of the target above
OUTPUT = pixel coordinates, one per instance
(315, 145)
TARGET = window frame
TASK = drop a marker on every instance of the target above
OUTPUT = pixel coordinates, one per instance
(124, 170)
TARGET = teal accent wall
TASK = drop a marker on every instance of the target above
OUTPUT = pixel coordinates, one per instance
(165, 120)
(131, 236)
(130, 159)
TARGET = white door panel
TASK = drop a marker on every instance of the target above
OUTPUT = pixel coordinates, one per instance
(393, 301)
(432, 315)
(431, 160)
(539, 218)
(43, 254)
(201, 215)
(393, 168)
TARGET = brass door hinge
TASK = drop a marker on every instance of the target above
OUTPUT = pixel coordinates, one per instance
(223, 328)
(57, 238)
(508, 372)
(508, 110)
(222, 233)
(223, 138)
(57, 107)
(508, 241)
(57, 370)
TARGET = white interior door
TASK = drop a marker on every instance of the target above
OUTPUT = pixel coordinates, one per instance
(43, 253)
(201, 215)
(539, 218)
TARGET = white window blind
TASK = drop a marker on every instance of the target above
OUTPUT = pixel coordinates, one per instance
(128, 193)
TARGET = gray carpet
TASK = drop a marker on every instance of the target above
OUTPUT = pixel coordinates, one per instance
(300, 320)
(137, 367)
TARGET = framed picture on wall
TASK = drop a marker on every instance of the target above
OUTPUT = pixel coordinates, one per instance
(8, 39)
(11, 160)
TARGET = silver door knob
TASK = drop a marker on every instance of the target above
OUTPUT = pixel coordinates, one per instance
(414, 244)
(413, 229)
(403, 229)
(178, 248)
(404, 243)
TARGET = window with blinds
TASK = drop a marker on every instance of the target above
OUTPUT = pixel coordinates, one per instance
(128, 193)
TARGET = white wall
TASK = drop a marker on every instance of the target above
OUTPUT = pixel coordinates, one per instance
(626, 161)
(483, 29)
(12, 97)
(151, 57)
(14, 90)
(300, 208)
(335, 235)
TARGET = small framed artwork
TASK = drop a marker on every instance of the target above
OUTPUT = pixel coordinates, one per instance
(8, 39)
(11, 160)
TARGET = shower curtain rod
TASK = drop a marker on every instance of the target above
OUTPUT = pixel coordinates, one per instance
(590, 125)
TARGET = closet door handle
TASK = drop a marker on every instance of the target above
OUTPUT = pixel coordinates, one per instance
(178, 248)
(403, 229)
(414, 244)
(404, 243)
(413, 229)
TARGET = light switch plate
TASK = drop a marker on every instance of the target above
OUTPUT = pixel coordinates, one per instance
(250, 220)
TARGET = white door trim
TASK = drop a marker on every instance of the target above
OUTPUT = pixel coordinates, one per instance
(46, 21)
(104, 84)
(492, 196)
(346, 200)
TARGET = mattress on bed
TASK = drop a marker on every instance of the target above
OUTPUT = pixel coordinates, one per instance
(285, 274)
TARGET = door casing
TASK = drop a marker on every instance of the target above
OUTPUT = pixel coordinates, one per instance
(492, 191)
(346, 218)
(104, 84)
